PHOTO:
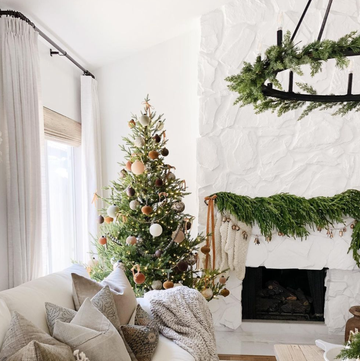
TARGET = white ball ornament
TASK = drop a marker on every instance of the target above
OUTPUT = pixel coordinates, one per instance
(139, 142)
(112, 211)
(156, 230)
(134, 204)
(156, 285)
(207, 293)
(138, 167)
(144, 120)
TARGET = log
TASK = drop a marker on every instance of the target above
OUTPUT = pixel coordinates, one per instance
(294, 307)
(277, 289)
(267, 304)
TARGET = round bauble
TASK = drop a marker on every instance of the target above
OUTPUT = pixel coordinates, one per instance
(144, 120)
(131, 240)
(178, 207)
(130, 191)
(168, 284)
(139, 278)
(134, 204)
(158, 182)
(113, 210)
(138, 167)
(139, 142)
(146, 210)
(207, 293)
(122, 173)
(205, 249)
(128, 165)
(131, 123)
(164, 152)
(182, 266)
(157, 138)
(101, 219)
(222, 280)
(108, 219)
(156, 285)
(179, 236)
(224, 292)
(153, 154)
(158, 253)
(102, 240)
(156, 230)
(170, 176)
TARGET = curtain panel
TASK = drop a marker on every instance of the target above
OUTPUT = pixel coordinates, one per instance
(20, 115)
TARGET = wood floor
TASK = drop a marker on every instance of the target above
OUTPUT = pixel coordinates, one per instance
(246, 358)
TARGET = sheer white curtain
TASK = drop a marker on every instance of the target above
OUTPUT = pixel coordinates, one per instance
(20, 119)
(91, 161)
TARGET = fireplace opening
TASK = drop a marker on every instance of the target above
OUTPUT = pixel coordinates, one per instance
(283, 294)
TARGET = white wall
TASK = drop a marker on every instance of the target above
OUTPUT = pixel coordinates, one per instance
(60, 81)
(168, 73)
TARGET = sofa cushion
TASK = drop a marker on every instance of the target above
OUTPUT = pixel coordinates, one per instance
(21, 332)
(91, 332)
(29, 298)
(121, 289)
(55, 312)
(5, 318)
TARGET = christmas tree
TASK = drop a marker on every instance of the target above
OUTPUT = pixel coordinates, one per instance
(144, 226)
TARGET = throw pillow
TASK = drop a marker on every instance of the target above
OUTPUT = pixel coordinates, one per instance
(143, 337)
(121, 289)
(55, 312)
(21, 332)
(36, 351)
(92, 333)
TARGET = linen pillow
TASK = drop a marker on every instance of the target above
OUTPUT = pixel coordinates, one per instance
(143, 337)
(55, 312)
(22, 331)
(121, 289)
(92, 333)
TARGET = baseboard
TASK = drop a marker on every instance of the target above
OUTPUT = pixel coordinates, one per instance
(247, 358)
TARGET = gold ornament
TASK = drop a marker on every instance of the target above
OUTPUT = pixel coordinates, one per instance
(146, 210)
(108, 219)
(153, 154)
(205, 249)
(224, 292)
(168, 284)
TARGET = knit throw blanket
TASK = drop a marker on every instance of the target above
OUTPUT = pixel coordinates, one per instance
(183, 316)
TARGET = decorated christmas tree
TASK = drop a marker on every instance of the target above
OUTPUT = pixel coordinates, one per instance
(144, 226)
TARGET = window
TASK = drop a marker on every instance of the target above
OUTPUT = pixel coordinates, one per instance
(61, 205)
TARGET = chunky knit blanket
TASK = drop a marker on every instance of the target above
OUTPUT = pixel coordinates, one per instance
(183, 316)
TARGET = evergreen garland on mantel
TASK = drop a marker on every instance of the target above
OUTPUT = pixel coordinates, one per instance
(290, 215)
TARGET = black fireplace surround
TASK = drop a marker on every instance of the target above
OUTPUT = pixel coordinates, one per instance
(283, 294)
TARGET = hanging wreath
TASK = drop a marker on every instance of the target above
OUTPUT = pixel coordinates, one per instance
(250, 82)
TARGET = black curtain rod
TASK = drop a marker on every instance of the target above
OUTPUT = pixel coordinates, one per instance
(17, 14)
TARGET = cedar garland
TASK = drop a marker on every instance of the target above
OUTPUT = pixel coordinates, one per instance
(290, 214)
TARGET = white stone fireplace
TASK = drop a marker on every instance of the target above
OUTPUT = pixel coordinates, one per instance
(261, 155)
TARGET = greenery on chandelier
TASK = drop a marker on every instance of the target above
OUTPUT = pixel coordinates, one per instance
(249, 82)
(144, 228)
(292, 216)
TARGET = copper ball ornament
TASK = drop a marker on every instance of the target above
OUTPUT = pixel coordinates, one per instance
(108, 219)
(144, 120)
(131, 240)
(182, 266)
(138, 167)
(131, 123)
(102, 240)
(128, 165)
(139, 278)
(222, 280)
(130, 191)
(157, 138)
(178, 207)
(178, 236)
(146, 210)
(168, 284)
(205, 249)
(224, 292)
(164, 152)
(101, 219)
(158, 182)
(153, 154)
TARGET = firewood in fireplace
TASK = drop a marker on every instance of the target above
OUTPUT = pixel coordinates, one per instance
(267, 304)
(295, 307)
(275, 289)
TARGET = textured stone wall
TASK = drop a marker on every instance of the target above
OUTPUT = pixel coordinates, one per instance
(260, 155)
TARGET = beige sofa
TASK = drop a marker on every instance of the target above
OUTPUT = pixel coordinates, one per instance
(29, 300)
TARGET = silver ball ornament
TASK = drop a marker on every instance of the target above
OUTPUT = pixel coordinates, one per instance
(156, 285)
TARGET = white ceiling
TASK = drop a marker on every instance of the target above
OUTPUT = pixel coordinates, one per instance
(100, 32)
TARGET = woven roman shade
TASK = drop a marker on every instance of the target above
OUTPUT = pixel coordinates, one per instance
(62, 129)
